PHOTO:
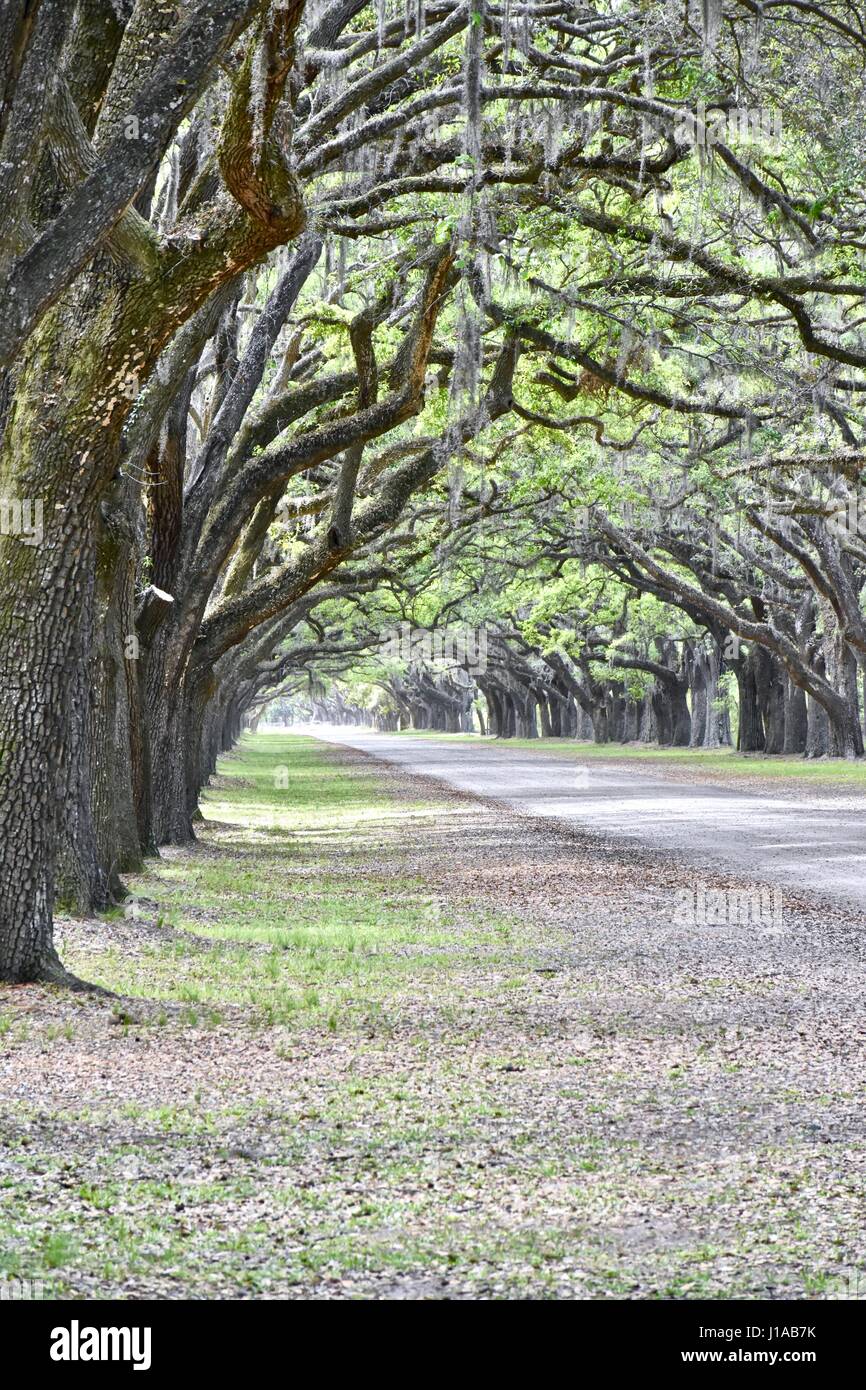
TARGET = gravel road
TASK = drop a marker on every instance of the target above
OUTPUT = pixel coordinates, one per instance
(814, 841)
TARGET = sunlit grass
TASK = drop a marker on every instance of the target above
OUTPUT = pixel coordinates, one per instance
(295, 923)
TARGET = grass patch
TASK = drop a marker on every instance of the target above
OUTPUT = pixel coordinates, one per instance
(300, 922)
(834, 771)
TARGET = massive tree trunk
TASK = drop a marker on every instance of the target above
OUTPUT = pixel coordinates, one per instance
(600, 716)
(770, 682)
(671, 718)
(178, 765)
(817, 730)
(112, 663)
(582, 727)
(46, 621)
(648, 732)
(750, 733)
(698, 689)
(716, 731)
(631, 720)
(81, 882)
(71, 391)
(846, 730)
(796, 719)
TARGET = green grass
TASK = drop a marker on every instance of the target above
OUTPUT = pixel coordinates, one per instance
(720, 760)
(290, 922)
(333, 1075)
(284, 782)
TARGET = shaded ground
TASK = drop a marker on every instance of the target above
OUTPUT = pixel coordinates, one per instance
(383, 1040)
(797, 830)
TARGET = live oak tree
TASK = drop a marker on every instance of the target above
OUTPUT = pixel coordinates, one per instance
(303, 302)
(70, 389)
(150, 163)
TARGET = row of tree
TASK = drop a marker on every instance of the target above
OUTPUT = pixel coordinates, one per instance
(321, 318)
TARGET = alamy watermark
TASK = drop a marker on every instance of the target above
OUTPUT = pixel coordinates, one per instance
(701, 906)
(849, 1285)
(22, 517)
(460, 646)
(77, 1343)
(24, 1290)
(746, 123)
(849, 517)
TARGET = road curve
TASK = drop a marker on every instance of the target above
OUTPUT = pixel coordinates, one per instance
(814, 842)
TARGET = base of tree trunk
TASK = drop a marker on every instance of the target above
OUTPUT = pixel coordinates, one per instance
(53, 972)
